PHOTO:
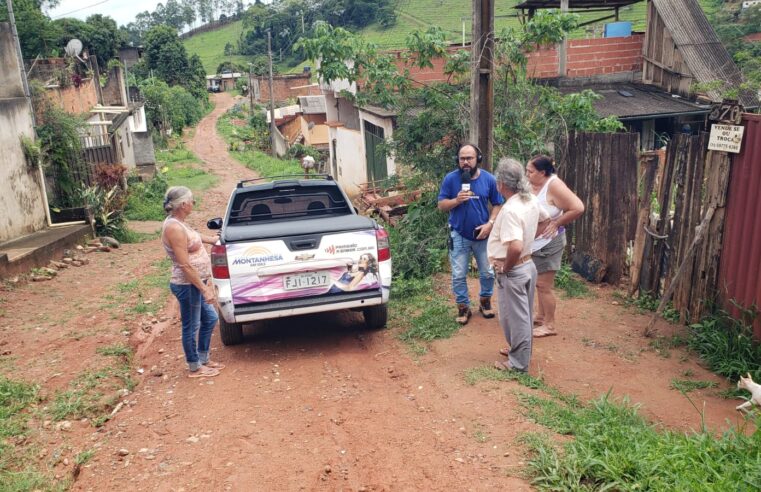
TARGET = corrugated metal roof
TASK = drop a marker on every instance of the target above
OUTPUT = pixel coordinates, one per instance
(701, 49)
(312, 104)
(636, 101)
(740, 268)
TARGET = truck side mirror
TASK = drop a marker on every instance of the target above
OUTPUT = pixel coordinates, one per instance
(215, 223)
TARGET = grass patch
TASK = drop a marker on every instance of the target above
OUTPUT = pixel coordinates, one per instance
(614, 448)
(16, 399)
(95, 392)
(254, 159)
(727, 345)
(687, 385)
(421, 313)
(144, 295)
(570, 283)
(210, 46)
(177, 166)
(664, 345)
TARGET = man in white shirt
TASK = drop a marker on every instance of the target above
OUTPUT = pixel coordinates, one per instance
(509, 250)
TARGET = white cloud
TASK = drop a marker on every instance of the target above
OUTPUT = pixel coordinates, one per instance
(122, 11)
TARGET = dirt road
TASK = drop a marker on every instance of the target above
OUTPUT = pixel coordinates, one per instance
(317, 402)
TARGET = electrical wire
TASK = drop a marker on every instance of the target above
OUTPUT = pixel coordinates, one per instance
(80, 9)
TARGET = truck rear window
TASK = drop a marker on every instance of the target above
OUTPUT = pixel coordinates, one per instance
(287, 203)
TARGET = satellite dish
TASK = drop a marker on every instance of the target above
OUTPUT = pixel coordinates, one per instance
(73, 48)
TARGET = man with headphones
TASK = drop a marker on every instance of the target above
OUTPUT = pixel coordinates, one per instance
(466, 194)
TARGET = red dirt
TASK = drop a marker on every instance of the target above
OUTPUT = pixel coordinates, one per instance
(316, 402)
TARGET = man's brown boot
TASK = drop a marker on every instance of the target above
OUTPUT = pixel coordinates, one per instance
(485, 307)
(463, 314)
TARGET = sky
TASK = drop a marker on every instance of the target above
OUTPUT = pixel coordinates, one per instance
(122, 11)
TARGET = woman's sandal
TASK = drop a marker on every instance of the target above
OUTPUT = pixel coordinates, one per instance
(504, 351)
(214, 365)
(503, 365)
(204, 372)
(543, 331)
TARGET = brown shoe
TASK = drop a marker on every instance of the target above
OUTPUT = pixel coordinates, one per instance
(463, 314)
(485, 307)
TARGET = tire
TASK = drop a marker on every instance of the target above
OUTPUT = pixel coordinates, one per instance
(376, 316)
(231, 333)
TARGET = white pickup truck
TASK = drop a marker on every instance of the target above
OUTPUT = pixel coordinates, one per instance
(291, 246)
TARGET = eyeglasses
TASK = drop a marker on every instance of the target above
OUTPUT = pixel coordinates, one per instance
(467, 159)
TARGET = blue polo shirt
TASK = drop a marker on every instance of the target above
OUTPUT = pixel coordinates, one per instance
(465, 217)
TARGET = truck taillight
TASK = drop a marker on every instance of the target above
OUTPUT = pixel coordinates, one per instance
(219, 261)
(384, 247)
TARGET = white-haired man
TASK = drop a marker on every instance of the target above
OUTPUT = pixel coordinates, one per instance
(509, 250)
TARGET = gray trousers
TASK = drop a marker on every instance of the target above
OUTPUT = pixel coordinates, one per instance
(515, 301)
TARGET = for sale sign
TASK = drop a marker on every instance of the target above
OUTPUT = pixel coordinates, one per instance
(726, 138)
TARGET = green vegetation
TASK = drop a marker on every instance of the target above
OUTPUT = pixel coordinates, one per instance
(243, 140)
(422, 312)
(687, 385)
(177, 166)
(570, 283)
(210, 46)
(614, 448)
(17, 399)
(727, 345)
(95, 392)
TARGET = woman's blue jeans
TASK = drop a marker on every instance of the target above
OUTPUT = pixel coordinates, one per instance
(198, 320)
(459, 258)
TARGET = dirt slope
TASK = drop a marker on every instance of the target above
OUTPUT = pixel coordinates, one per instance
(316, 402)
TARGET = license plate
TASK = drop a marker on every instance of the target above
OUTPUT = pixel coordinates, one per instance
(305, 280)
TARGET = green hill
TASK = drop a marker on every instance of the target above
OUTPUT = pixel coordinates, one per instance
(210, 46)
(413, 15)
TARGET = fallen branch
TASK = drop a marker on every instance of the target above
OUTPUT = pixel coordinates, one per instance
(700, 231)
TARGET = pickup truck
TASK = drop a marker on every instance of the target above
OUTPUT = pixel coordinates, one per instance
(290, 246)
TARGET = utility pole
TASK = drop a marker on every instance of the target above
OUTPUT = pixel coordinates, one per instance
(563, 47)
(302, 23)
(250, 90)
(463, 19)
(273, 127)
(481, 82)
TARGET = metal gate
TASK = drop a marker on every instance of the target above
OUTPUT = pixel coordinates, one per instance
(740, 270)
(376, 157)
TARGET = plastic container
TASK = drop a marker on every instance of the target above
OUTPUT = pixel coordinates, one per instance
(618, 29)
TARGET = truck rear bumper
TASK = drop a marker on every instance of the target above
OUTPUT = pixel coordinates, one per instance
(295, 307)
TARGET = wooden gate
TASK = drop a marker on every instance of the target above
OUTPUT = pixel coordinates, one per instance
(601, 168)
(690, 187)
(376, 158)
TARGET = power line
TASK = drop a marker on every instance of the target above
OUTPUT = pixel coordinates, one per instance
(80, 9)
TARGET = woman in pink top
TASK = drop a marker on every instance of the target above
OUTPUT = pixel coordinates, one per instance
(563, 207)
(191, 281)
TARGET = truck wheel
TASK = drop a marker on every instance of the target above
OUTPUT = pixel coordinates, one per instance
(376, 316)
(231, 333)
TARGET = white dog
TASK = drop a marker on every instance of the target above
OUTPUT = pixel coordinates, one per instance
(755, 393)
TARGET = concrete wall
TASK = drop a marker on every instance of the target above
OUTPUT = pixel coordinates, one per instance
(115, 93)
(350, 159)
(21, 195)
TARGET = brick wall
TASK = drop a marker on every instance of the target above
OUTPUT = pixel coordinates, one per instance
(589, 57)
(286, 87)
(585, 58)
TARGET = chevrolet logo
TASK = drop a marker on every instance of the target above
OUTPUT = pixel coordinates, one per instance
(304, 256)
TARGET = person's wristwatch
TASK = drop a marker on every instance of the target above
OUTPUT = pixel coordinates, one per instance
(491, 221)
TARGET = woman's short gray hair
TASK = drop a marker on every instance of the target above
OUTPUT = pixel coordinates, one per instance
(511, 174)
(176, 196)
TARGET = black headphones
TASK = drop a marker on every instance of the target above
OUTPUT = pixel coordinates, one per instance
(479, 155)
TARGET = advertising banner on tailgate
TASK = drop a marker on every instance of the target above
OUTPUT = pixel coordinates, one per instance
(268, 270)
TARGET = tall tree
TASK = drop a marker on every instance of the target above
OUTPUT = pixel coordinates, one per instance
(37, 34)
(105, 39)
(165, 54)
